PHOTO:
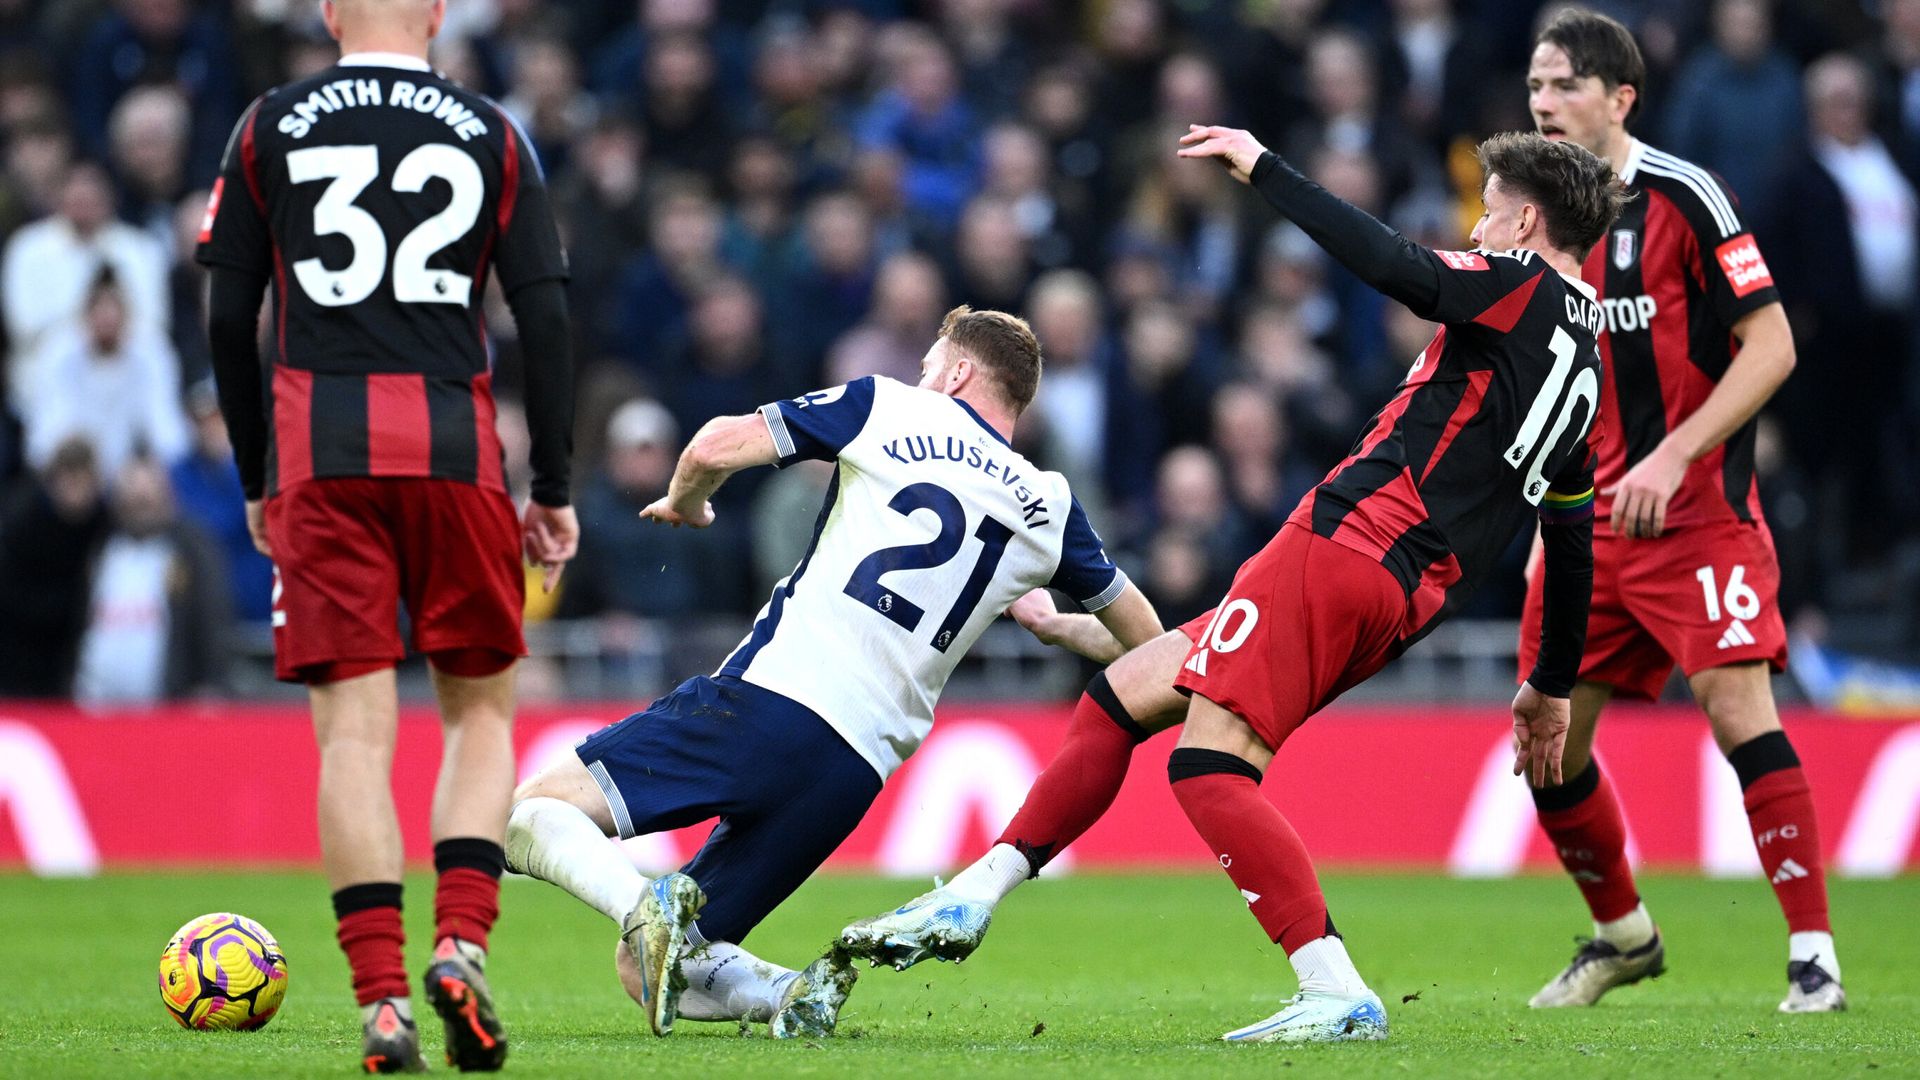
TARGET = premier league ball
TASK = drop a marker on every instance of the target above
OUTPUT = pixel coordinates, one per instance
(223, 972)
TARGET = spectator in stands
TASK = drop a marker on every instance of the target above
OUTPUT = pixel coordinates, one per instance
(1249, 436)
(547, 100)
(1020, 170)
(149, 133)
(50, 265)
(1132, 40)
(206, 488)
(38, 155)
(1164, 387)
(922, 116)
(158, 621)
(647, 311)
(1349, 118)
(51, 522)
(762, 180)
(1072, 412)
(831, 284)
(1318, 409)
(601, 199)
(1059, 106)
(909, 299)
(790, 103)
(108, 380)
(991, 266)
(1195, 214)
(158, 41)
(1438, 69)
(1735, 107)
(630, 568)
(688, 125)
(727, 366)
(187, 291)
(994, 58)
(1844, 254)
(1191, 506)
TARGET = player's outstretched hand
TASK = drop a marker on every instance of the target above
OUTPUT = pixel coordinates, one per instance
(549, 536)
(1237, 150)
(1539, 735)
(1640, 498)
(257, 527)
(663, 511)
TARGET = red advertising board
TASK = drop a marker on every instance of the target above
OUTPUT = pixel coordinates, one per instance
(1410, 787)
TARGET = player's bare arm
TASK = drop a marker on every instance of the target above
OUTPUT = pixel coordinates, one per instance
(1117, 629)
(1765, 359)
(724, 446)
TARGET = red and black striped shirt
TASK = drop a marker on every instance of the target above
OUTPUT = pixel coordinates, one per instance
(1489, 429)
(379, 197)
(1674, 275)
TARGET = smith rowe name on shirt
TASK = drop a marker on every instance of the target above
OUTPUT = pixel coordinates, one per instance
(343, 94)
(915, 449)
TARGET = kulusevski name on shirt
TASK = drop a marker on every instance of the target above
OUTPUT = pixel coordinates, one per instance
(913, 449)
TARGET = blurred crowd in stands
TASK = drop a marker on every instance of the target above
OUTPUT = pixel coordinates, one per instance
(761, 197)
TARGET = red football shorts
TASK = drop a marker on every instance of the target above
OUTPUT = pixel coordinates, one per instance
(1703, 595)
(1306, 620)
(349, 550)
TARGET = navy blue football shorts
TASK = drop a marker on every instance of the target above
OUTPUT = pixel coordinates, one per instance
(786, 788)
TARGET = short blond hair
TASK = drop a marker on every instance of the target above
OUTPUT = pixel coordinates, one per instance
(1002, 344)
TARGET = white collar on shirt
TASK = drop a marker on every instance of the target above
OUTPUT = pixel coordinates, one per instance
(385, 59)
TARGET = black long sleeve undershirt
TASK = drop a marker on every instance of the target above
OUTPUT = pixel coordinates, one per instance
(1377, 254)
(233, 327)
(546, 343)
(1566, 596)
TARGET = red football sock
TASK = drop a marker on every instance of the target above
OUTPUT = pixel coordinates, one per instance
(1589, 834)
(1780, 809)
(1081, 781)
(466, 900)
(373, 939)
(1259, 850)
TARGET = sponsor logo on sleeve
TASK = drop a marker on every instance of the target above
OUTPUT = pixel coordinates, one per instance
(1464, 260)
(1740, 260)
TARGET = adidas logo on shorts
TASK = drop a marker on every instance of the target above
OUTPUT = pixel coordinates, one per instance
(1736, 636)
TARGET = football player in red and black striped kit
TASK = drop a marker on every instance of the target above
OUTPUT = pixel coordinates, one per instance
(377, 198)
(1487, 434)
(1696, 342)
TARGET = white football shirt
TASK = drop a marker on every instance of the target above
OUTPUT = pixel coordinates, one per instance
(931, 527)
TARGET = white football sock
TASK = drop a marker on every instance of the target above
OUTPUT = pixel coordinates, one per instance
(996, 874)
(726, 982)
(557, 842)
(1324, 967)
(1814, 945)
(1629, 931)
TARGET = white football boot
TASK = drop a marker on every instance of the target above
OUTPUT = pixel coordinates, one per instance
(937, 925)
(811, 1007)
(1812, 989)
(1317, 1016)
(1598, 967)
(656, 931)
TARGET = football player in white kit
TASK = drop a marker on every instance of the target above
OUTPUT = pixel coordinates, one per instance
(933, 525)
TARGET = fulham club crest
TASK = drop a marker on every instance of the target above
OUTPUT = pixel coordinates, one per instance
(1623, 248)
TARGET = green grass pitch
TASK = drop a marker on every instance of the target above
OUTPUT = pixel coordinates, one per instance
(1084, 976)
